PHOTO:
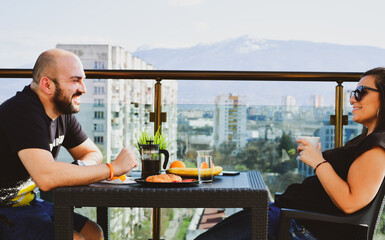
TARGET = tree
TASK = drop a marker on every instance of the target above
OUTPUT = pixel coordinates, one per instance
(223, 156)
(282, 181)
(259, 155)
(286, 142)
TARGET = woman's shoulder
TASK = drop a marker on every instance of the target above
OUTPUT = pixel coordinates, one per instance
(375, 139)
(378, 135)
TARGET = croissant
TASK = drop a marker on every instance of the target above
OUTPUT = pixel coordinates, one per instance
(164, 178)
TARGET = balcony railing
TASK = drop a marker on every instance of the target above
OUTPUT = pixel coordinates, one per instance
(158, 117)
(339, 77)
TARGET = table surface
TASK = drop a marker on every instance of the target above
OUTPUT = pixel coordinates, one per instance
(246, 190)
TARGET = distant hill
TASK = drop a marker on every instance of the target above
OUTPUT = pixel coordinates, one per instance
(248, 54)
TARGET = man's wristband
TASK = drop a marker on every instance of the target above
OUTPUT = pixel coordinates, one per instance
(319, 164)
(111, 171)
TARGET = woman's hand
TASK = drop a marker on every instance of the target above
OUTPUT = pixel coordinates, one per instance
(309, 154)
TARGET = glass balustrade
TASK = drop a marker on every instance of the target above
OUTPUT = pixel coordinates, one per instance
(244, 133)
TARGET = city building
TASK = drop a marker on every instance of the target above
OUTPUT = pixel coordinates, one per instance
(230, 121)
(317, 101)
(115, 111)
(290, 104)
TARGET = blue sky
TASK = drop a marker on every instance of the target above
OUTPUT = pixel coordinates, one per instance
(30, 27)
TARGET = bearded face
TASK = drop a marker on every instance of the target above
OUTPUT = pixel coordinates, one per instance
(66, 104)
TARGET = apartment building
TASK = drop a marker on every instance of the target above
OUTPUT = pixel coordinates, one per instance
(115, 111)
(230, 121)
(317, 101)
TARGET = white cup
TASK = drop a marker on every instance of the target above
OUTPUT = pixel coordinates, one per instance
(312, 140)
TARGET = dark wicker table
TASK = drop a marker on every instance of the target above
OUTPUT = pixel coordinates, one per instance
(246, 190)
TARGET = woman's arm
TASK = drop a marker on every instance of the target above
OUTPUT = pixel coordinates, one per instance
(364, 177)
(364, 180)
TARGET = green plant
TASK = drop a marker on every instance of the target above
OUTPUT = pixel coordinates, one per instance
(182, 230)
(158, 138)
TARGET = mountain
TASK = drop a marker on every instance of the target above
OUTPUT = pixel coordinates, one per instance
(249, 54)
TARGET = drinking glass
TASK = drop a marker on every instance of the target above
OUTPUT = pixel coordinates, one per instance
(205, 166)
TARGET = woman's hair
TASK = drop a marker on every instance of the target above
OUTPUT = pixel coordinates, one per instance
(379, 74)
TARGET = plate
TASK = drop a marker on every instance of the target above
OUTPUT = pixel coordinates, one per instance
(128, 180)
(167, 184)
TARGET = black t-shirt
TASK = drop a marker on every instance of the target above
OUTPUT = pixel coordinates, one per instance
(310, 195)
(24, 124)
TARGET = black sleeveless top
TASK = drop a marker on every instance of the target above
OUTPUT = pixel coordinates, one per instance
(310, 195)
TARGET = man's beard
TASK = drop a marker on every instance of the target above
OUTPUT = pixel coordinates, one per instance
(62, 104)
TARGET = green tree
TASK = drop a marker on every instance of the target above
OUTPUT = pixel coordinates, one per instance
(223, 156)
(286, 142)
(280, 182)
(248, 157)
(259, 155)
(288, 145)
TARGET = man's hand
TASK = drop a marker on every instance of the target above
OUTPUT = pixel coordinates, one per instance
(125, 161)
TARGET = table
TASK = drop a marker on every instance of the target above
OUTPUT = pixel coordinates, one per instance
(246, 190)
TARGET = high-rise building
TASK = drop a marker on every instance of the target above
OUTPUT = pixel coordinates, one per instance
(230, 121)
(317, 101)
(290, 104)
(115, 111)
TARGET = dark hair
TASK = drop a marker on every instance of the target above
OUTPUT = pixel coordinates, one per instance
(44, 63)
(379, 74)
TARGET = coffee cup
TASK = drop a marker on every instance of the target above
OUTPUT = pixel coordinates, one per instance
(312, 140)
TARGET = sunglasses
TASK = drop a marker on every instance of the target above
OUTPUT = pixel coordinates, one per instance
(360, 92)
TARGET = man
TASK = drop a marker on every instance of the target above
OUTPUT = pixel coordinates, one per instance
(34, 124)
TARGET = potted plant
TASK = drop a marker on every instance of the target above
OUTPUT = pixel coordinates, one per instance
(160, 139)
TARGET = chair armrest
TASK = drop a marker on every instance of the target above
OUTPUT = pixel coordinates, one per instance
(277, 194)
(287, 214)
(308, 215)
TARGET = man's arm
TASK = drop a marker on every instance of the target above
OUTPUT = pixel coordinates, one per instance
(87, 152)
(49, 174)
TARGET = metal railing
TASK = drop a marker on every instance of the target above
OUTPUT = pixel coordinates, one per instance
(339, 77)
(158, 117)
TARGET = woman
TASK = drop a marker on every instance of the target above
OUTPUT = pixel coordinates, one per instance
(346, 179)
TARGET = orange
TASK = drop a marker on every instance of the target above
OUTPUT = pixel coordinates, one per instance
(177, 164)
(204, 165)
(122, 177)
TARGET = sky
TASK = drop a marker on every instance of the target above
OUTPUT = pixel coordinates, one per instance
(29, 27)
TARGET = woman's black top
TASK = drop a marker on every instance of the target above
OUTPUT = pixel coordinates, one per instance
(310, 195)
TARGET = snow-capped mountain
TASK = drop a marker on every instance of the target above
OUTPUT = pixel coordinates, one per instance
(249, 54)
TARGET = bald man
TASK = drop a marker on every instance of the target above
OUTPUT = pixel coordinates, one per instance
(34, 124)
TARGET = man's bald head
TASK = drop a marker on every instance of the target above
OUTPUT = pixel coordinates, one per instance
(46, 63)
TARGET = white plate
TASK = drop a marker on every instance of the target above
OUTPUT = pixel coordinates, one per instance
(128, 180)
